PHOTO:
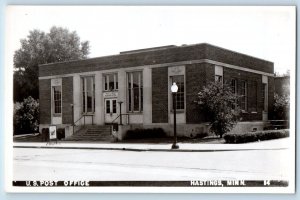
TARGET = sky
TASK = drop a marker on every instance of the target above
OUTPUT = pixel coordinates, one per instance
(264, 32)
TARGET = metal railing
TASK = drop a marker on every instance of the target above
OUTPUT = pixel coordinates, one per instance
(84, 116)
(120, 121)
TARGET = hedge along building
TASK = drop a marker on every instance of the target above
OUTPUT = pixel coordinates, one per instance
(141, 79)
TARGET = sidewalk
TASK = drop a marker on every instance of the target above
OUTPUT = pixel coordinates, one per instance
(276, 144)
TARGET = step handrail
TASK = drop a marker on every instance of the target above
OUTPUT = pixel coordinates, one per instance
(83, 116)
(120, 115)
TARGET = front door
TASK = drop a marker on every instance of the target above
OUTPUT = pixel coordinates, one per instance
(110, 110)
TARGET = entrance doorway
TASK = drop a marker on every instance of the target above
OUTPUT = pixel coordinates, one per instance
(111, 111)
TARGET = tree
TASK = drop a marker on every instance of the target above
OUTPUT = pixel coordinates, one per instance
(40, 48)
(219, 104)
(281, 106)
(26, 116)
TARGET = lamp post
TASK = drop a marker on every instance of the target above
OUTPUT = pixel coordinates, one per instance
(174, 89)
(72, 107)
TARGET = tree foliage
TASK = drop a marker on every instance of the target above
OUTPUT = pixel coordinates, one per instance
(40, 48)
(26, 116)
(219, 104)
(281, 106)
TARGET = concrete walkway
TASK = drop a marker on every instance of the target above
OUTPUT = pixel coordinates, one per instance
(276, 144)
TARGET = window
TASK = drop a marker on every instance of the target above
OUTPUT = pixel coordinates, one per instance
(244, 95)
(218, 78)
(111, 82)
(219, 74)
(88, 94)
(135, 91)
(57, 99)
(179, 80)
(264, 97)
(234, 91)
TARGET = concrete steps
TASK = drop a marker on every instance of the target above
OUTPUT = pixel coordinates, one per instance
(92, 133)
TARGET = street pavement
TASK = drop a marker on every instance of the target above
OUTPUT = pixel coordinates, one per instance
(76, 161)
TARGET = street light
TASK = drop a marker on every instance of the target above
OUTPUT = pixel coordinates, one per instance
(72, 107)
(174, 89)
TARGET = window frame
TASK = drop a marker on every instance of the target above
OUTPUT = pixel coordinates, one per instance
(219, 78)
(84, 94)
(130, 92)
(106, 82)
(244, 95)
(53, 101)
(183, 94)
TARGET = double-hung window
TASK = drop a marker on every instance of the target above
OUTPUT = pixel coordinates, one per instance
(56, 99)
(135, 91)
(88, 94)
(244, 95)
(179, 80)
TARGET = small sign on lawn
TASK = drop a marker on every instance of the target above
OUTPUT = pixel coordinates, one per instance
(52, 132)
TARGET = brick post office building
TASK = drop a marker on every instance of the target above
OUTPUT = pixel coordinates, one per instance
(90, 91)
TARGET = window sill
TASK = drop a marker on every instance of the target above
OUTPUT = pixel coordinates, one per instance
(177, 111)
(111, 90)
(87, 114)
(134, 113)
(56, 114)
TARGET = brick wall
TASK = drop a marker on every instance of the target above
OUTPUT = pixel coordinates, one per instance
(67, 99)
(195, 81)
(210, 72)
(169, 55)
(45, 101)
(239, 59)
(254, 94)
(160, 95)
(196, 78)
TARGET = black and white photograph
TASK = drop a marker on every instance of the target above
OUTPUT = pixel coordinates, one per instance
(150, 99)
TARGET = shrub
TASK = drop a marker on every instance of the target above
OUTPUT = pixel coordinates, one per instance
(60, 133)
(145, 133)
(201, 135)
(26, 116)
(256, 136)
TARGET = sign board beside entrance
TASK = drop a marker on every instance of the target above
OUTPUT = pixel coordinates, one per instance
(52, 132)
(110, 94)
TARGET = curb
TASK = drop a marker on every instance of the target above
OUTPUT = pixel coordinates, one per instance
(140, 150)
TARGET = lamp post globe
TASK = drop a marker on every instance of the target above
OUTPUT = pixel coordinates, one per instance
(174, 89)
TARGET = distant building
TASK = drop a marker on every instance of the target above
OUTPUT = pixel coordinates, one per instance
(141, 79)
